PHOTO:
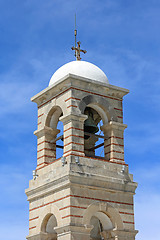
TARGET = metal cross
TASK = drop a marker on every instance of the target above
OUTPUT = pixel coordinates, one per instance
(78, 51)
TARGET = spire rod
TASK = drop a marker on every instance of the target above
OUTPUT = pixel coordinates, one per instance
(75, 34)
(77, 49)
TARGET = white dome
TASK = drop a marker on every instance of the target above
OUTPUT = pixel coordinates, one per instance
(79, 68)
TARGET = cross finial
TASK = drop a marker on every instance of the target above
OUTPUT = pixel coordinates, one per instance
(77, 49)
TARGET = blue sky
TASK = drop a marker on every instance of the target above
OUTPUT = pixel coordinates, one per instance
(122, 37)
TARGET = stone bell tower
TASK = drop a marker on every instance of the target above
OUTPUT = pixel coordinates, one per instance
(81, 195)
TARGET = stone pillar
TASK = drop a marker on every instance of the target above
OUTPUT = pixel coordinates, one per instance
(46, 151)
(73, 232)
(73, 134)
(114, 144)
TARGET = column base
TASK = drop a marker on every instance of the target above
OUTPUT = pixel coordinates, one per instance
(69, 232)
(43, 236)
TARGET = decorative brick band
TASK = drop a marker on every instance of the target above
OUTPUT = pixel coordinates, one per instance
(81, 144)
(43, 142)
(73, 136)
(40, 115)
(121, 163)
(82, 197)
(71, 154)
(72, 216)
(118, 109)
(32, 227)
(120, 145)
(119, 117)
(45, 156)
(127, 213)
(49, 149)
(72, 98)
(72, 106)
(128, 222)
(114, 151)
(33, 218)
(73, 128)
(115, 137)
(72, 207)
(39, 123)
(73, 151)
(42, 163)
(120, 159)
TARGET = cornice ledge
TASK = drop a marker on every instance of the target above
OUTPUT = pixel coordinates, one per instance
(129, 187)
(41, 190)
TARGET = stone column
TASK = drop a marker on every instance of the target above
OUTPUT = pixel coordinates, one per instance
(46, 150)
(73, 134)
(114, 144)
(73, 232)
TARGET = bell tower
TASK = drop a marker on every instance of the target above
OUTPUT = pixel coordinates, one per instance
(82, 194)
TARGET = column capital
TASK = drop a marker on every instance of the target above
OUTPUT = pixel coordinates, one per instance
(70, 228)
(113, 125)
(121, 234)
(46, 131)
(72, 117)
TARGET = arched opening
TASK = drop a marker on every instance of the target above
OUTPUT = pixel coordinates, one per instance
(48, 226)
(99, 144)
(102, 227)
(54, 123)
(59, 142)
(93, 135)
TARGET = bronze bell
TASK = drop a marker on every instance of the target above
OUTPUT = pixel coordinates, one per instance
(89, 124)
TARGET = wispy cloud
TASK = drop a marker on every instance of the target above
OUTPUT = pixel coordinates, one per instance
(147, 213)
(147, 200)
(17, 230)
(13, 181)
(144, 137)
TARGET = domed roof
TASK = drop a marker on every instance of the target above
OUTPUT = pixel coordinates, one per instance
(79, 68)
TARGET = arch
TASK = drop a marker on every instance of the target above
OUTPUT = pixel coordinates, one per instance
(53, 116)
(104, 219)
(49, 220)
(45, 214)
(102, 226)
(105, 208)
(101, 105)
